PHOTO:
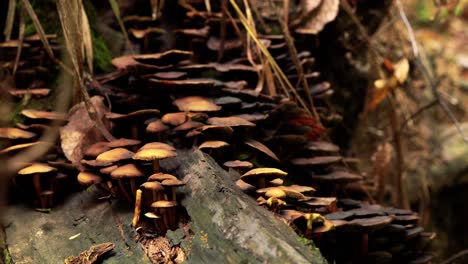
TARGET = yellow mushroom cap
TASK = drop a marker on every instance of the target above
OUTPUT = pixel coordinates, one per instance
(154, 154)
(163, 204)
(276, 192)
(88, 178)
(115, 155)
(127, 171)
(196, 104)
(157, 145)
(36, 168)
(161, 177)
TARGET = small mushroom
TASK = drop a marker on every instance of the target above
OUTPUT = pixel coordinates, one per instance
(259, 176)
(161, 177)
(115, 155)
(237, 165)
(128, 171)
(167, 210)
(137, 211)
(173, 183)
(154, 155)
(37, 170)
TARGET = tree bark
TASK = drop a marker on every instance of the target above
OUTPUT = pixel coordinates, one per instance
(227, 225)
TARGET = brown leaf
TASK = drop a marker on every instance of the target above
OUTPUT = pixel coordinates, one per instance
(322, 15)
(81, 131)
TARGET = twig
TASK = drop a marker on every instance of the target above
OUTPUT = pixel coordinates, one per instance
(432, 84)
(418, 112)
(456, 256)
(222, 33)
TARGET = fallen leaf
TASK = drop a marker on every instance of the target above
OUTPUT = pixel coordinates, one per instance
(320, 16)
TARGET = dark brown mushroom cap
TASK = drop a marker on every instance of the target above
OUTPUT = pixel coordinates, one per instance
(252, 176)
(115, 155)
(320, 201)
(97, 148)
(215, 130)
(323, 146)
(153, 186)
(262, 148)
(291, 215)
(253, 117)
(369, 224)
(88, 178)
(188, 125)
(172, 183)
(157, 145)
(316, 161)
(95, 163)
(49, 115)
(150, 154)
(156, 126)
(163, 204)
(196, 104)
(238, 164)
(161, 177)
(231, 121)
(136, 115)
(36, 168)
(15, 133)
(123, 142)
(213, 144)
(127, 171)
(174, 119)
(339, 177)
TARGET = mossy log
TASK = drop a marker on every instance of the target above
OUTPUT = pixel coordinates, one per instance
(227, 225)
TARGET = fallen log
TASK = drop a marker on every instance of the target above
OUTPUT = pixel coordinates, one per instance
(227, 225)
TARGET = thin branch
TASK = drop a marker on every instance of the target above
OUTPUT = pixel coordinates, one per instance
(418, 112)
(455, 257)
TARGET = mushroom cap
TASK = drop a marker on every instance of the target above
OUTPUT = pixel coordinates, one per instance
(134, 116)
(115, 155)
(299, 188)
(216, 130)
(238, 164)
(88, 178)
(123, 142)
(340, 177)
(50, 115)
(156, 126)
(231, 121)
(255, 117)
(15, 133)
(174, 119)
(35, 92)
(322, 160)
(23, 146)
(157, 145)
(188, 125)
(95, 163)
(127, 171)
(173, 183)
(289, 192)
(369, 224)
(108, 170)
(152, 215)
(291, 215)
(154, 154)
(196, 104)
(321, 201)
(36, 168)
(275, 192)
(163, 204)
(253, 176)
(213, 144)
(262, 148)
(97, 148)
(161, 177)
(323, 146)
(152, 185)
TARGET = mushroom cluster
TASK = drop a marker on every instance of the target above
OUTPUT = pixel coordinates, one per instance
(41, 180)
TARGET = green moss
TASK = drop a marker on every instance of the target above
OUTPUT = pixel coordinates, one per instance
(102, 55)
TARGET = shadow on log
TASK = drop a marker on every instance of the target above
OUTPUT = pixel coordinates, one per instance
(228, 226)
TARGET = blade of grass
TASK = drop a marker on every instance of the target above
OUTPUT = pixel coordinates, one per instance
(37, 25)
(9, 19)
(87, 40)
(116, 10)
(285, 84)
(22, 26)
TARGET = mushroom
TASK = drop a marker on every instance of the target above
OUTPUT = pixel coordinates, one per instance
(237, 165)
(157, 191)
(173, 183)
(133, 119)
(232, 121)
(155, 219)
(259, 176)
(44, 115)
(174, 119)
(167, 210)
(161, 177)
(96, 149)
(316, 161)
(157, 145)
(154, 155)
(128, 171)
(213, 144)
(123, 143)
(195, 104)
(15, 133)
(115, 155)
(156, 127)
(36, 170)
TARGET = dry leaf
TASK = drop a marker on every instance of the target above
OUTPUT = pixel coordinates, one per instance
(322, 15)
(81, 130)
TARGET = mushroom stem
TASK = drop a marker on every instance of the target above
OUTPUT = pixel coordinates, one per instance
(133, 186)
(125, 193)
(37, 186)
(172, 218)
(156, 166)
(134, 132)
(174, 198)
(137, 212)
(165, 216)
(364, 244)
(261, 182)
